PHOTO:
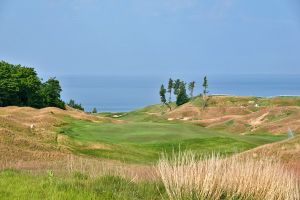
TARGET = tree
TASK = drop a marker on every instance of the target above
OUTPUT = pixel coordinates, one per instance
(51, 93)
(191, 88)
(205, 92)
(205, 86)
(21, 86)
(8, 93)
(75, 105)
(94, 110)
(162, 94)
(182, 97)
(176, 86)
(9, 88)
(170, 87)
(29, 87)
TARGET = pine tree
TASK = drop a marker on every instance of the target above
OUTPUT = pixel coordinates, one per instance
(170, 87)
(176, 86)
(205, 92)
(191, 88)
(205, 86)
(182, 97)
(94, 110)
(162, 94)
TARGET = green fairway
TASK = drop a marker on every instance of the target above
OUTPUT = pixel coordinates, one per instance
(143, 137)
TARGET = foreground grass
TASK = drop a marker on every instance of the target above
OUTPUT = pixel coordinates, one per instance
(143, 137)
(22, 185)
(186, 177)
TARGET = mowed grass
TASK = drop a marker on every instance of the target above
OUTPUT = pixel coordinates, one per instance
(23, 185)
(144, 137)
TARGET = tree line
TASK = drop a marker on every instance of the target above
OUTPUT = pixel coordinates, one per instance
(20, 86)
(179, 89)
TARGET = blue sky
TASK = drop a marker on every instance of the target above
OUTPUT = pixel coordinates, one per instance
(151, 37)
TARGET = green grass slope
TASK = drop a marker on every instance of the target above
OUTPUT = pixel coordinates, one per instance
(142, 137)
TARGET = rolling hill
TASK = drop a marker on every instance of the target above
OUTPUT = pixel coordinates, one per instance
(228, 125)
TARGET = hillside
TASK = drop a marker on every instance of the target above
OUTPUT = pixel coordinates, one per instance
(41, 136)
(74, 154)
(28, 134)
(238, 114)
(286, 151)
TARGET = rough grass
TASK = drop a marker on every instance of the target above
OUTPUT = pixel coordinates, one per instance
(22, 185)
(249, 100)
(185, 177)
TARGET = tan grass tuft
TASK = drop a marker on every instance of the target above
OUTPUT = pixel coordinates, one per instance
(186, 177)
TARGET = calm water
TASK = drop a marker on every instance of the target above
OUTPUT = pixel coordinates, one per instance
(128, 93)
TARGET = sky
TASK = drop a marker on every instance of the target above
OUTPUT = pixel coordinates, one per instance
(151, 37)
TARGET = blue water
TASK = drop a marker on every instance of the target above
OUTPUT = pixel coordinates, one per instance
(123, 93)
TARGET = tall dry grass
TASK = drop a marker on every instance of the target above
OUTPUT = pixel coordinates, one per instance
(89, 166)
(186, 177)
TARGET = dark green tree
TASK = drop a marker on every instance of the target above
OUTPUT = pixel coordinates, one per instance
(75, 105)
(71, 103)
(182, 96)
(176, 86)
(21, 86)
(9, 87)
(191, 88)
(162, 94)
(170, 87)
(205, 99)
(51, 93)
(205, 86)
(94, 110)
(29, 87)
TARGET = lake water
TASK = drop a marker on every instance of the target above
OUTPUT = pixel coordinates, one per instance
(123, 93)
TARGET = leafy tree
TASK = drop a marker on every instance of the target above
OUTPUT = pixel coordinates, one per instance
(94, 110)
(29, 87)
(75, 105)
(9, 87)
(170, 87)
(191, 88)
(8, 93)
(21, 86)
(176, 86)
(182, 96)
(51, 93)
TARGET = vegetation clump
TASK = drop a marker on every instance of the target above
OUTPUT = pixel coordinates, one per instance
(186, 177)
(75, 105)
(180, 91)
(20, 86)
